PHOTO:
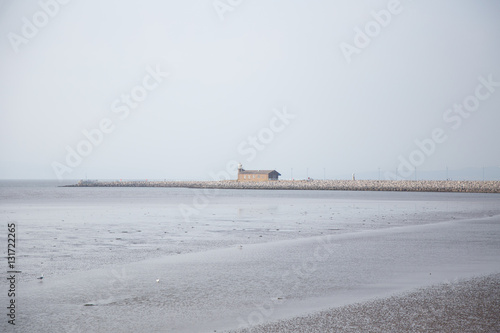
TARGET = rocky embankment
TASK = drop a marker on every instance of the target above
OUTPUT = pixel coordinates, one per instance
(332, 185)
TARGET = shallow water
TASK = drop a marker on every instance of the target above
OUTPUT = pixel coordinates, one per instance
(240, 257)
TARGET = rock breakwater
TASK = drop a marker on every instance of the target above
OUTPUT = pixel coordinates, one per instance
(331, 185)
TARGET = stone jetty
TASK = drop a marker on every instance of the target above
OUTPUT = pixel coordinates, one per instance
(329, 185)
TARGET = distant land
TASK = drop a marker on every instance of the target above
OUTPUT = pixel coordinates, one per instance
(331, 185)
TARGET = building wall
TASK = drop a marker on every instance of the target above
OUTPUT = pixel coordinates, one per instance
(242, 177)
(273, 176)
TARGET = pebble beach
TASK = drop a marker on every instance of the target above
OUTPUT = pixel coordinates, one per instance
(469, 305)
(332, 185)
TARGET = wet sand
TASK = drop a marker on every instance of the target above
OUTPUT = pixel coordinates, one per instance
(127, 260)
(457, 306)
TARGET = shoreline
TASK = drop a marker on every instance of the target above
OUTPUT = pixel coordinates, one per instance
(318, 185)
(469, 305)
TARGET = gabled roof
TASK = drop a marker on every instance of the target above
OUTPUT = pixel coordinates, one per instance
(258, 172)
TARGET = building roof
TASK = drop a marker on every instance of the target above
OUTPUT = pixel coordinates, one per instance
(258, 172)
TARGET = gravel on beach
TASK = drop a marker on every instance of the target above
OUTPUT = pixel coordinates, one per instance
(458, 306)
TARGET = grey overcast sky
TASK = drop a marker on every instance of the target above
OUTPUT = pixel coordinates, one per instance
(319, 86)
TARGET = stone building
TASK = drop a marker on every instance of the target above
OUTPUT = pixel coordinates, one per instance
(256, 175)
